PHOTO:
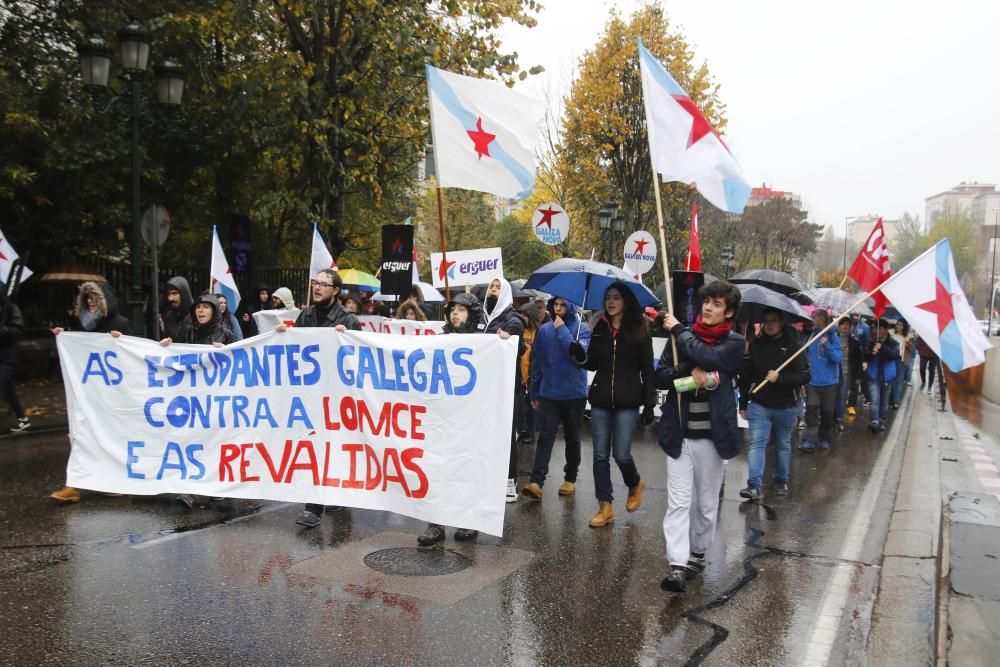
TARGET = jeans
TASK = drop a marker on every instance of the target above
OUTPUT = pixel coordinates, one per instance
(770, 424)
(843, 392)
(819, 413)
(551, 413)
(9, 390)
(880, 392)
(903, 373)
(611, 431)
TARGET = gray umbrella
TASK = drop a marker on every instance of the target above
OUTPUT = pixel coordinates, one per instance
(779, 281)
(756, 299)
(837, 300)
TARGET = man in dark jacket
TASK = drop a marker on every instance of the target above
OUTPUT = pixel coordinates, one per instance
(11, 330)
(499, 315)
(880, 368)
(698, 432)
(325, 311)
(772, 411)
(249, 307)
(558, 389)
(177, 309)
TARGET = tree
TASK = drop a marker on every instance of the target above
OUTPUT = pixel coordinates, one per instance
(956, 224)
(909, 241)
(606, 146)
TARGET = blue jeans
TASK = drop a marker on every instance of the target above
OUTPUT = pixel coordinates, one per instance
(611, 431)
(903, 373)
(843, 392)
(770, 424)
(879, 392)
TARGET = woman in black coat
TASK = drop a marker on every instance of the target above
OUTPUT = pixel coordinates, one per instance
(621, 354)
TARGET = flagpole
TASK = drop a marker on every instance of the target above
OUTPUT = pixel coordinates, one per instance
(211, 283)
(666, 265)
(444, 243)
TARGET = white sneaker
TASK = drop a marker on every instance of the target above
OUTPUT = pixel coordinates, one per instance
(511, 491)
(22, 424)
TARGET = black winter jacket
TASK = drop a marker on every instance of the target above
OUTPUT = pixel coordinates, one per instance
(766, 354)
(213, 331)
(336, 315)
(107, 308)
(624, 371)
(724, 357)
(11, 328)
(175, 320)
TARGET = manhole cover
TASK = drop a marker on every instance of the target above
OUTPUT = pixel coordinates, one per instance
(413, 562)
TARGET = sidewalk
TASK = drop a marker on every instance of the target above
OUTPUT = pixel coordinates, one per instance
(44, 403)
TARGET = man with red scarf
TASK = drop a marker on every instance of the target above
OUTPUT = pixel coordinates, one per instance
(699, 432)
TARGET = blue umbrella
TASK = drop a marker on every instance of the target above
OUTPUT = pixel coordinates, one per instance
(584, 281)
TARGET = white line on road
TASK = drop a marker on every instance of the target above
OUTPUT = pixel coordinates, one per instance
(825, 627)
(176, 536)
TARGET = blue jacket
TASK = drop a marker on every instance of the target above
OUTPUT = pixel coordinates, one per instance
(824, 360)
(862, 333)
(883, 366)
(724, 357)
(554, 374)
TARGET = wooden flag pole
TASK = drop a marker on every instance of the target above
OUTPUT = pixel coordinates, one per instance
(666, 266)
(444, 245)
(815, 337)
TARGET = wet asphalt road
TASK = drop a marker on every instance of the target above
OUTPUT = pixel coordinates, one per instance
(142, 581)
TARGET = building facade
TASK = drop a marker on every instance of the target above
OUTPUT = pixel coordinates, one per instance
(959, 198)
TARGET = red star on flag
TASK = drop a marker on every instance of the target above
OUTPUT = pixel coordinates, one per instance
(941, 306)
(2, 256)
(481, 139)
(640, 245)
(547, 217)
(700, 127)
(443, 268)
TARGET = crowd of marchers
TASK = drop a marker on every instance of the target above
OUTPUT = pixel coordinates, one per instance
(600, 366)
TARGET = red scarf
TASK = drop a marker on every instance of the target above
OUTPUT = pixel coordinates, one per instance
(711, 335)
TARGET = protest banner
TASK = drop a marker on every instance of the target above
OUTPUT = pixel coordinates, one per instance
(467, 267)
(266, 320)
(381, 324)
(414, 425)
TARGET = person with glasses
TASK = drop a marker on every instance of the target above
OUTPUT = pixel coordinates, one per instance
(325, 311)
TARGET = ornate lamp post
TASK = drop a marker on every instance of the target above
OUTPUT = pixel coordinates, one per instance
(611, 224)
(95, 67)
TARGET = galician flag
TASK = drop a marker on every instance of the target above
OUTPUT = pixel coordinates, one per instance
(320, 258)
(928, 296)
(7, 257)
(484, 134)
(222, 277)
(693, 262)
(871, 267)
(682, 144)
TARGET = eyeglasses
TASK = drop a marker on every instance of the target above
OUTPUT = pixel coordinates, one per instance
(316, 283)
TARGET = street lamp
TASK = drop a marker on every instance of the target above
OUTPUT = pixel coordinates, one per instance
(611, 225)
(95, 67)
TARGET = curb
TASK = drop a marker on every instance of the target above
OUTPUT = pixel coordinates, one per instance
(42, 430)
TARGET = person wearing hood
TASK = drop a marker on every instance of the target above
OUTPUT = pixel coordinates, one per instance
(824, 382)
(558, 390)
(532, 318)
(325, 311)
(176, 311)
(772, 411)
(411, 310)
(227, 317)
(247, 322)
(353, 302)
(462, 315)
(882, 360)
(283, 299)
(499, 317)
(11, 330)
(95, 310)
(205, 327)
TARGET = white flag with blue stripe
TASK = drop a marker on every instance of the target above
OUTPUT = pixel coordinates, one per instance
(484, 134)
(222, 277)
(683, 145)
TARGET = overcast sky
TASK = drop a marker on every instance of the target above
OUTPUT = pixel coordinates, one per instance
(859, 107)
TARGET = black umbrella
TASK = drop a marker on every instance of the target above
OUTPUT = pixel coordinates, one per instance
(779, 281)
(757, 298)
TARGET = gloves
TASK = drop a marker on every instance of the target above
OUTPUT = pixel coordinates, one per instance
(648, 415)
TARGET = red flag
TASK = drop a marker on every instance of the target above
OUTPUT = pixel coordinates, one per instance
(871, 267)
(693, 262)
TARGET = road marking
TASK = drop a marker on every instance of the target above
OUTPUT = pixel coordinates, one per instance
(170, 537)
(827, 622)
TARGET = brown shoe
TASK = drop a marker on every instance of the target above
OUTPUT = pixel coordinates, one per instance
(605, 515)
(532, 490)
(635, 496)
(66, 494)
(567, 489)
